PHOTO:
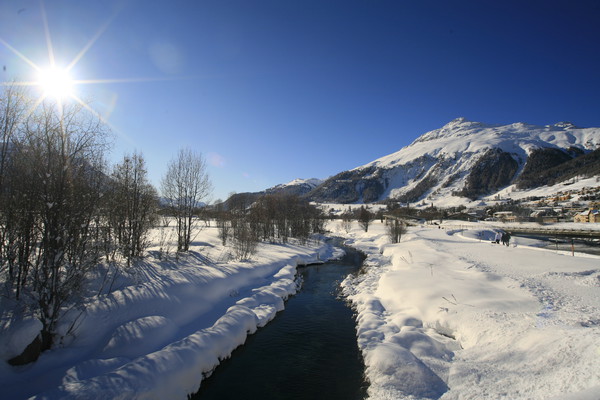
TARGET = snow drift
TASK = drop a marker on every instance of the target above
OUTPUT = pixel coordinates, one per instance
(447, 314)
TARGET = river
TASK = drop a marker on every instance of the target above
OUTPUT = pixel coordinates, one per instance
(308, 351)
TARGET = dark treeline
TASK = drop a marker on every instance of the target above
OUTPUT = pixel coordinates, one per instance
(270, 218)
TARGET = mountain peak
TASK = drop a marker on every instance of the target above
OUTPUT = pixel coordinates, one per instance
(314, 182)
(461, 159)
(566, 125)
(458, 121)
(454, 128)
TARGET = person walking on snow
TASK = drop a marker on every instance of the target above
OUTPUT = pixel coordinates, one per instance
(506, 238)
(498, 237)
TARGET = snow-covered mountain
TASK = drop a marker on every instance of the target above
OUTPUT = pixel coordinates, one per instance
(469, 159)
(297, 187)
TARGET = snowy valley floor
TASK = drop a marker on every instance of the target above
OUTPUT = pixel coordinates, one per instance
(445, 314)
(162, 328)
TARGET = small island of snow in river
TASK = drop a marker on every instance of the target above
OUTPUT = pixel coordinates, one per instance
(442, 314)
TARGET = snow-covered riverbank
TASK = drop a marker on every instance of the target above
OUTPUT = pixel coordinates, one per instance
(164, 327)
(445, 314)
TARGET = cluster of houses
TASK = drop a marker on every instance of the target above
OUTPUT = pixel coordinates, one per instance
(577, 205)
(553, 214)
(589, 215)
(550, 215)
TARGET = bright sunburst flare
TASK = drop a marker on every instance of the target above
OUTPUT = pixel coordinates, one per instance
(56, 83)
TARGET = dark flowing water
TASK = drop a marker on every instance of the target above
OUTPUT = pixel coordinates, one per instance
(308, 351)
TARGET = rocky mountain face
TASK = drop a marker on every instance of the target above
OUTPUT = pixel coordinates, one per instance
(297, 187)
(469, 159)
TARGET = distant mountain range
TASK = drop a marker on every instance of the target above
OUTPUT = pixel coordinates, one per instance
(463, 158)
(297, 187)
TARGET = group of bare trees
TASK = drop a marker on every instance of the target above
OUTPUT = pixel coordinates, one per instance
(271, 218)
(61, 210)
(51, 201)
(131, 208)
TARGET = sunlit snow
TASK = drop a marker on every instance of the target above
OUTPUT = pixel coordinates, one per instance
(443, 314)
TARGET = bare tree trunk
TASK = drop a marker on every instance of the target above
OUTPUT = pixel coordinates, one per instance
(185, 185)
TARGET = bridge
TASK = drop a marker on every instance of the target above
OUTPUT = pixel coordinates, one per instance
(556, 231)
(550, 231)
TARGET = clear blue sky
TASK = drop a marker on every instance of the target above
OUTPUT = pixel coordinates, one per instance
(270, 91)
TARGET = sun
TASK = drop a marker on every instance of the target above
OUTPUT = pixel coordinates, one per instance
(56, 83)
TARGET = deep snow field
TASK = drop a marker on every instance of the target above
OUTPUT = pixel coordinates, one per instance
(447, 314)
(443, 314)
(163, 327)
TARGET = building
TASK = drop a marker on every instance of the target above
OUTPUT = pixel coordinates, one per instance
(589, 215)
(505, 216)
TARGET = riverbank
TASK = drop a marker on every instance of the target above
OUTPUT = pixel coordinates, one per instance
(308, 351)
(163, 326)
(445, 314)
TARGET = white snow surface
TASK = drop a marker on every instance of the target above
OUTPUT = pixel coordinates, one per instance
(447, 314)
(311, 182)
(461, 136)
(447, 155)
(443, 314)
(163, 329)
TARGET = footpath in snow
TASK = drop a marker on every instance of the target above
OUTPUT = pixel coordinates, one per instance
(162, 330)
(447, 314)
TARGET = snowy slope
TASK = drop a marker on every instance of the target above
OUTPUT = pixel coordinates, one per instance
(160, 330)
(447, 314)
(440, 162)
(313, 182)
(297, 186)
(461, 136)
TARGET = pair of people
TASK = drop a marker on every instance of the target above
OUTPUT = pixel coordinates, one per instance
(502, 236)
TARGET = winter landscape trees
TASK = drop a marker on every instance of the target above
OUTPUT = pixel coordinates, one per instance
(132, 204)
(52, 186)
(65, 215)
(185, 185)
(61, 213)
(271, 218)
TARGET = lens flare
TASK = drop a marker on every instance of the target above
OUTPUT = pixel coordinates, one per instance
(56, 83)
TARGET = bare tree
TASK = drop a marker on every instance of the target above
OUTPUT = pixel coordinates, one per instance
(133, 205)
(364, 218)
(395, 230)
(184, 186)
(245, 238)
(223, 221)
(346, 223)
(13, 104)
(53, 182)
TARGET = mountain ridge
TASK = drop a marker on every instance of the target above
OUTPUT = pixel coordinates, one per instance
(463, 158)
